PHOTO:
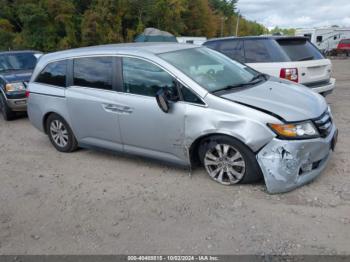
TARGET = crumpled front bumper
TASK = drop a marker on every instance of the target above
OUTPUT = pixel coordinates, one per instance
(288, 164)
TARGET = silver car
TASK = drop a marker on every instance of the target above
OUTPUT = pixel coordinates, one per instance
(183, 104)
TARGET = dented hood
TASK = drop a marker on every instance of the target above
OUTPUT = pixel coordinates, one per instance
(287, 100)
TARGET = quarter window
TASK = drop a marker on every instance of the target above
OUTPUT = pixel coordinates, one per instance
(144, 78)
(95, 72)
(189, 96)
(54, 74)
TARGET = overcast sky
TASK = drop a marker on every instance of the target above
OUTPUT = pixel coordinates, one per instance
(296, 13)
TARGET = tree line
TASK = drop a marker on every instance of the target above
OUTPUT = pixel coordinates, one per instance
(50, 25)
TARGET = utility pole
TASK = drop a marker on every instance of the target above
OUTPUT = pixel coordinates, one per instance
(237, 24)
(222, 26)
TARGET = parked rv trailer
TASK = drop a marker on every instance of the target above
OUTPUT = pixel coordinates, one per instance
(326, 39)
(191, 40)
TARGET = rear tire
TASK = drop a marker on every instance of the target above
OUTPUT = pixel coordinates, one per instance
(6, 111)
(60, 134)
(228, 161)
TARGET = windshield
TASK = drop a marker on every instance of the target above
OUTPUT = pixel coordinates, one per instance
(210, 69)
(19, 61)
(300, 49)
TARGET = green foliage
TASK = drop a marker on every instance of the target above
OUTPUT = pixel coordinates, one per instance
(50, 25)
(277, 30)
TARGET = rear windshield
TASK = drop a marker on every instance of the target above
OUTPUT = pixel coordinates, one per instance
(300, 49)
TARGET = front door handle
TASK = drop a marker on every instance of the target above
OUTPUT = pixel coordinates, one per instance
(127, 109)
(118, 108)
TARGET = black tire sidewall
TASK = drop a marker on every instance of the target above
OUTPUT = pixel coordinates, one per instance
(6, 112)
(72, 144)
(252, 170)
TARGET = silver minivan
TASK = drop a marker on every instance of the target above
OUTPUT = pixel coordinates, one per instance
(183, 104)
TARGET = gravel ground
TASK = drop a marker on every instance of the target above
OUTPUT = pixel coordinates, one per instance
(90, 202)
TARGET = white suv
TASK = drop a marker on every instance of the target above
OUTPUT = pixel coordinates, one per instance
(292, 58)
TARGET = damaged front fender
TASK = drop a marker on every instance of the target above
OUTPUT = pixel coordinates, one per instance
(287, 165)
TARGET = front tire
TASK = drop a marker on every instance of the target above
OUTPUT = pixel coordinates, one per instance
(6, 111)
(228, 161)
(60, 134)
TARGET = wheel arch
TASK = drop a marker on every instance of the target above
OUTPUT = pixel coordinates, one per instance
(46, 116)
(194, 147)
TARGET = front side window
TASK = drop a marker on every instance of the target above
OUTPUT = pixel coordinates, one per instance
(210, 69)
(95, 72)
(144, 78)
(54, 74)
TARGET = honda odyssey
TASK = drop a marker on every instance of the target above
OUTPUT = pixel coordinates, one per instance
(183, 104)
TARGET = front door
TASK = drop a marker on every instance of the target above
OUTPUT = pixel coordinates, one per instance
(145, 129)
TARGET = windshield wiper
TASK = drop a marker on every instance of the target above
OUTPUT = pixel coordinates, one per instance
(306, 58)
(259, 75)
(236, 86)
(255, 80)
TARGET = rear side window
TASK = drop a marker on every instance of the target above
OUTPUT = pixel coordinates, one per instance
(211, 44)
(144, 78)
(300, 49)
(233, 49)
(54, 74)
(262, 51)
(95, 72)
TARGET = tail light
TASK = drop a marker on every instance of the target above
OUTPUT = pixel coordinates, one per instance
(27, 93)
(290, 74)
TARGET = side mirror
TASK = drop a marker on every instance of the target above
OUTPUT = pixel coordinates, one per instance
(162, 100)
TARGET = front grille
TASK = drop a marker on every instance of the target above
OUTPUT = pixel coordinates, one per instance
(317, 84)
(324, 124)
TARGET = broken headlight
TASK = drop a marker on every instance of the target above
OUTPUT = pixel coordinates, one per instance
(296, 130)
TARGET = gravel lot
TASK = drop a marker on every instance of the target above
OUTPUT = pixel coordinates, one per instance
(90, 202)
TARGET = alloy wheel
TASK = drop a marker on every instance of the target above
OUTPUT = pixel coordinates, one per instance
(59, 133)
(225, 164)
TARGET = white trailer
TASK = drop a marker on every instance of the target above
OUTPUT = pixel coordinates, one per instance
(191, 40)
(326, 39)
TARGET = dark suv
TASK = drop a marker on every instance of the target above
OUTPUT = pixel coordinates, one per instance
(16, 68)
(292, 58)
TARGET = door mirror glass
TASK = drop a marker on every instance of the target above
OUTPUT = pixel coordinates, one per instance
(162, 100)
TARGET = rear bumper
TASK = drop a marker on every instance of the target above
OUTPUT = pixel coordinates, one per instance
(327, 88)
(287, 165)
(17, 105)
